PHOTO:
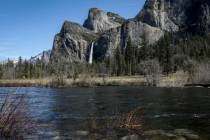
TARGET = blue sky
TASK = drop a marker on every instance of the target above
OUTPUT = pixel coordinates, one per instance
(27, 27)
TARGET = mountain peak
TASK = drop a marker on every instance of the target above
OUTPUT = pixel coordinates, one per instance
(100, 21)
(44, 57)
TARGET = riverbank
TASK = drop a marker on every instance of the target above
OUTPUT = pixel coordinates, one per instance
(80, 82)
(173, 80)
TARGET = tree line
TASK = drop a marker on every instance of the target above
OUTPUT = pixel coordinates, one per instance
(23, 69)
(173, 52)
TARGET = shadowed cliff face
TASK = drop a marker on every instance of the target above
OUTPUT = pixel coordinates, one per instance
(198, 17)
(174, 15)
(109, 31)
(164, 14)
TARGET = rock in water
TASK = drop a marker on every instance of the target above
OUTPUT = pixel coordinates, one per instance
(186, 133)
(131, 137)
(81, 133)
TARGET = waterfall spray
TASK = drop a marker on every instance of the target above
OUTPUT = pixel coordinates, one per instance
(91, 54)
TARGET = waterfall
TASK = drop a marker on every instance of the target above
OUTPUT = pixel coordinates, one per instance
(91, 54)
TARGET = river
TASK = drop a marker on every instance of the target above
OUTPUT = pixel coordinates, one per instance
(63, 113)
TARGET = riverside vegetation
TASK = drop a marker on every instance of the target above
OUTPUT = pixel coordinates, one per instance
(175, 60)
(15, 121)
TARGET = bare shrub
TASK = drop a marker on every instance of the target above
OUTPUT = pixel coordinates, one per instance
(15, 121)
(130, 121)
(85, 80)
(152, 71)
(58, 81)
(180, 78)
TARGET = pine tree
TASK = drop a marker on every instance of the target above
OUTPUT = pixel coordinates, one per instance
(1, 71)
(128, 57)
(120, 62)
(19, 68)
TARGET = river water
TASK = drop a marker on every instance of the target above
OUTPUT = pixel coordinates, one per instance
(61, 113)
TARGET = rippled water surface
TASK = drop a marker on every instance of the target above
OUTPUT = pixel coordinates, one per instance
(61, 112)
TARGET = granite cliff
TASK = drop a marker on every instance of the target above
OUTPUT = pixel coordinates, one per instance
(100, 21)
(72, 43)
(174, 15)
(108, 31)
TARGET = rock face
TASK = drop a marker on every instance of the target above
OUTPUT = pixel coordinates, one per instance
(72, 43)
(100, 21)
(43, 57)
(107, 43)
(138, 31)
(155, 13)
(108, 31)
(174, 15)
